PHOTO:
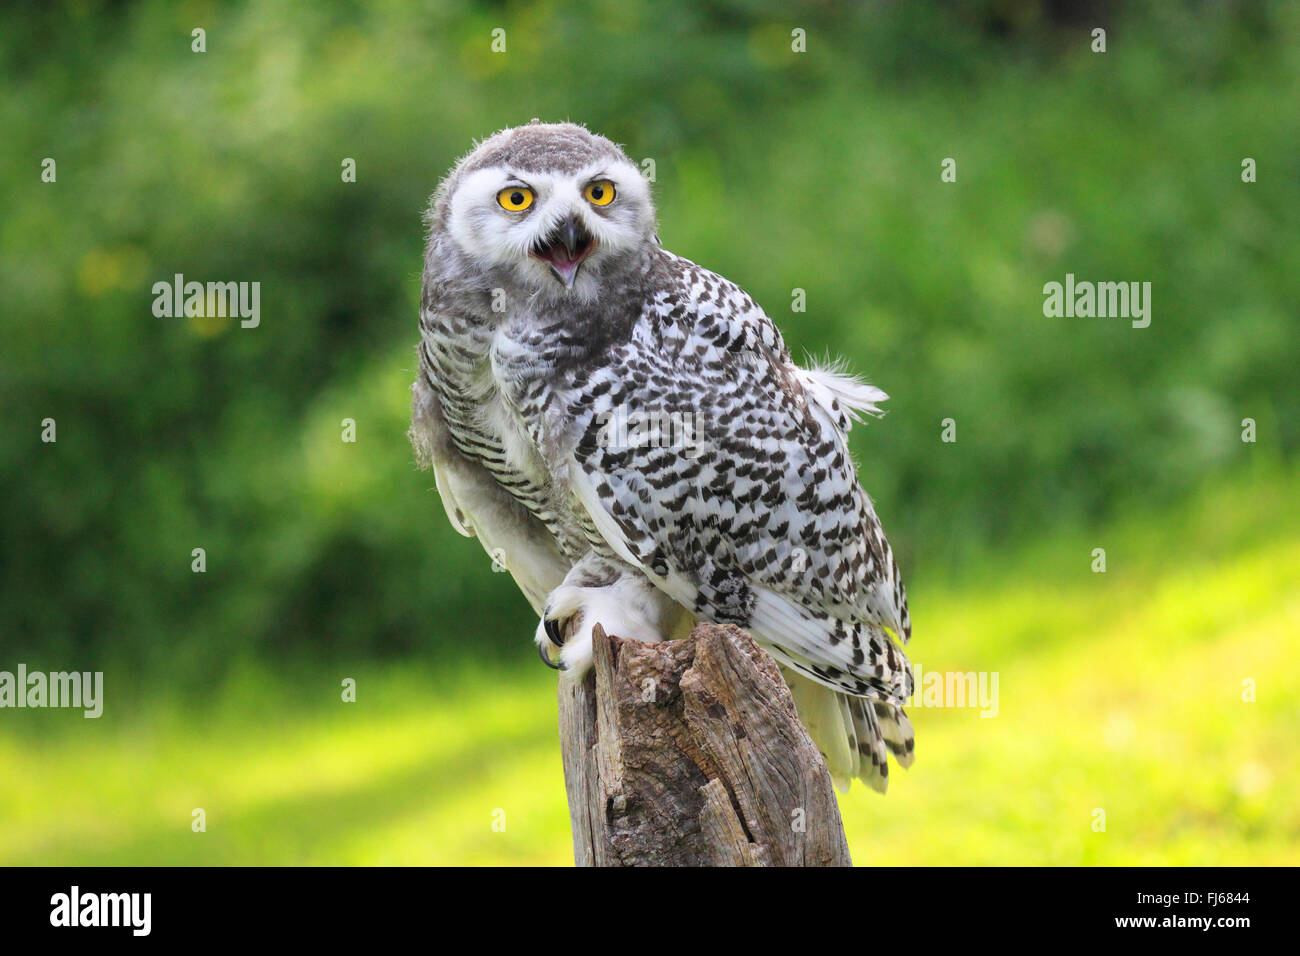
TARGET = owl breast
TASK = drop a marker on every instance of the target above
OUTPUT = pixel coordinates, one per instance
(479, 371)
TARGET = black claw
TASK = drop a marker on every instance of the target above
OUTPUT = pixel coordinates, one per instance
(553, 665)
(553, 631)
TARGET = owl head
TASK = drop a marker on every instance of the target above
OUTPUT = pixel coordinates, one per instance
(555, 208)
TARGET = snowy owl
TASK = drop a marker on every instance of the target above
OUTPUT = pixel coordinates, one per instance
(627, 434)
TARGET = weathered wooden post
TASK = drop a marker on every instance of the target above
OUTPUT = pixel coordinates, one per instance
(689, 753)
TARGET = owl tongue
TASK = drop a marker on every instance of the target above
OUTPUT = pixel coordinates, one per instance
(564, 250)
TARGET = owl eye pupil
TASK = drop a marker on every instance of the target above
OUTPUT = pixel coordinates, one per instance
(517, 197)
(597, 193)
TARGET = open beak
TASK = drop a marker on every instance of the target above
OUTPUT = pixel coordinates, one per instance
(565, 249)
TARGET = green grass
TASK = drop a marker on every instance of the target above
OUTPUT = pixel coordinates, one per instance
(1120, 691)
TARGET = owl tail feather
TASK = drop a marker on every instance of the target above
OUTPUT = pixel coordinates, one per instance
(854, 734)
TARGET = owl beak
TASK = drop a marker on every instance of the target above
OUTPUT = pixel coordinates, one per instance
(565, 249)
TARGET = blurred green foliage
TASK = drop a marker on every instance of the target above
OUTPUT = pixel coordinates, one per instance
(779, 170)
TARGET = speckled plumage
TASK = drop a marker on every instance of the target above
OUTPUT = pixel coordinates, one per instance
(756, 519)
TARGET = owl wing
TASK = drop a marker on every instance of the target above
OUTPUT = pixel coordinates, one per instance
(710, 461)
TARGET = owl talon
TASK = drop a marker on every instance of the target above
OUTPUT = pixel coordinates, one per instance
(546, 659)
(554, 630)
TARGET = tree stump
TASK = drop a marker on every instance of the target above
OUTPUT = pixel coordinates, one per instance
(690, 753)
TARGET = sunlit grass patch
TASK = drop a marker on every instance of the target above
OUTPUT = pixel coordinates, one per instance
(1119, 692)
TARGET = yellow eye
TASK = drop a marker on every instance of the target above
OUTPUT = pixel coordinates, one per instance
(600, 193)
(515, 198)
